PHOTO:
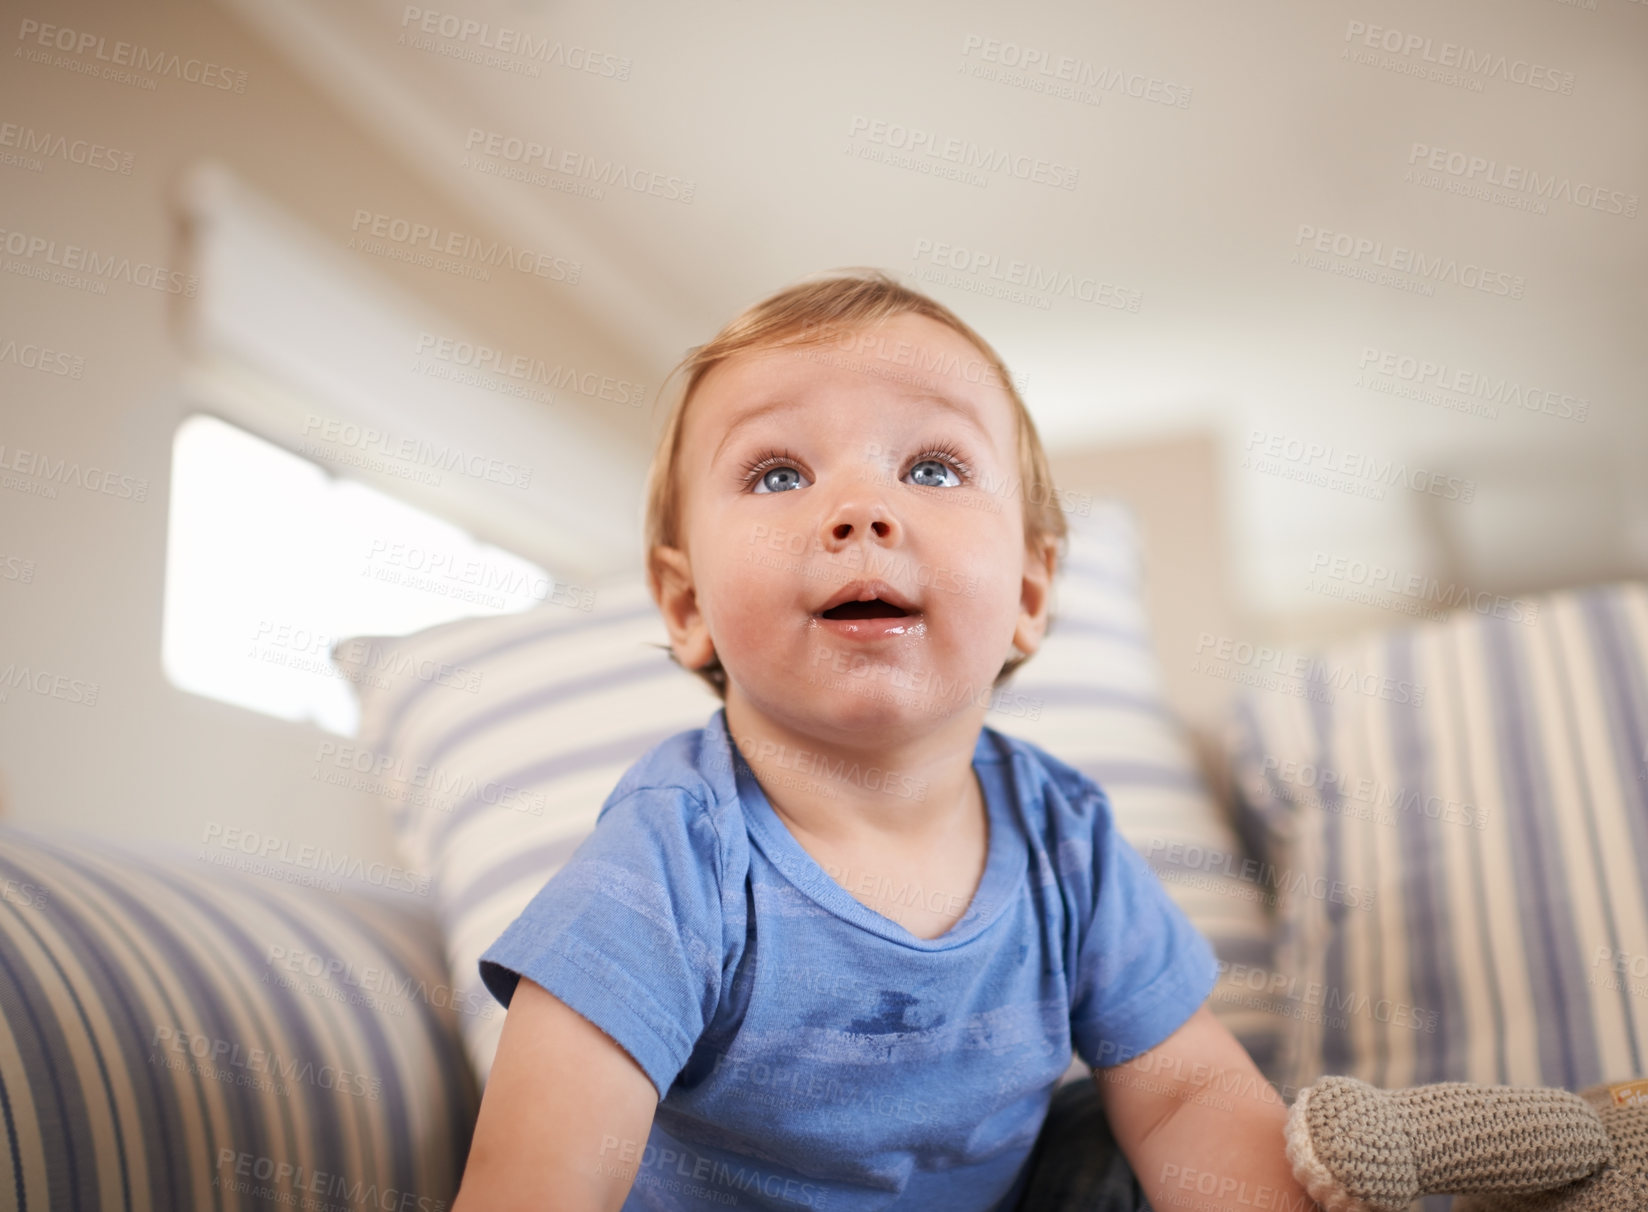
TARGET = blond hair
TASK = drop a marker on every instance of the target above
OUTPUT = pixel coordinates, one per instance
(815, 311)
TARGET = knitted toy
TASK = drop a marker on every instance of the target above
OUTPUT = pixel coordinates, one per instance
(1357, 1148)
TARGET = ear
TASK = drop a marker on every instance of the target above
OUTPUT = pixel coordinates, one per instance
(669, 577)
(1035, 595)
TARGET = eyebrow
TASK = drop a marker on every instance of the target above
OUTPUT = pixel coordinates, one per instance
(957, 408)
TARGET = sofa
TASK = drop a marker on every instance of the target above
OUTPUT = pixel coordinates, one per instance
(1433, 865)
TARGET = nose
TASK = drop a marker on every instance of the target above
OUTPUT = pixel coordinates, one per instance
(859, 513)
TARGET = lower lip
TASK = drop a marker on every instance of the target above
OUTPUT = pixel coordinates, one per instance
(873, 629)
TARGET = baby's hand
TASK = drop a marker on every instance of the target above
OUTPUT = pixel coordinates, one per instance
(565, 1114)
(1200, 1125)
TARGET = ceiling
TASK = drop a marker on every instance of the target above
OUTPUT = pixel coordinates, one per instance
(1259, 126)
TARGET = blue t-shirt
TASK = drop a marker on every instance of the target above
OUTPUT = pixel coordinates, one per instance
(811, 1053)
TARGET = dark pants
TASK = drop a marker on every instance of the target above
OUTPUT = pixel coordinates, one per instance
(1076, 1165)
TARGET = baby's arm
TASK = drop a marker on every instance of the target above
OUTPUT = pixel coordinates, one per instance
(1200, 1125)
(563, 1119)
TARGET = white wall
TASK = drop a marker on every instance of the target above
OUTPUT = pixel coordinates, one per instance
(147, 759)
(1207, 139)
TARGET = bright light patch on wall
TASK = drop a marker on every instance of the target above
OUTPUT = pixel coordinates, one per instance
(270, 560)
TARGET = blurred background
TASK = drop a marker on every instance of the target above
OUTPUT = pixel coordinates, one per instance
(331, 319)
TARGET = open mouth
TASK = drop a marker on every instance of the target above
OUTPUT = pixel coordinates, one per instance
(875, 608)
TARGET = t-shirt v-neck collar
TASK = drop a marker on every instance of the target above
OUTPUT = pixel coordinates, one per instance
(1003, 867)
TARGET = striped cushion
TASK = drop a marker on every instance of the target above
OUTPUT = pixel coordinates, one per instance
(1475, 788)
(151, 1056)
(519, 726)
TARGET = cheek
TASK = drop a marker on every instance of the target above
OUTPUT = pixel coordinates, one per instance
(984, 611)
(979, 579)
(973, 609)
(743, 591)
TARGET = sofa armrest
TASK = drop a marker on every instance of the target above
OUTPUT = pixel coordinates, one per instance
(176, 1027)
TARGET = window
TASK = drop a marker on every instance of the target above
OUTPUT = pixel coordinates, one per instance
(271, 559)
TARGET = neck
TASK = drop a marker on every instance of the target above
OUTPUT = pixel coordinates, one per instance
(879, 785)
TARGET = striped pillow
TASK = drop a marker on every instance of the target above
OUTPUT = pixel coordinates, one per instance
(175, 1037)
(1458, 813)
(517, 727)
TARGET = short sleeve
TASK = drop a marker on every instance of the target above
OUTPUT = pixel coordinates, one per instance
(1143, 969)
(629, 932)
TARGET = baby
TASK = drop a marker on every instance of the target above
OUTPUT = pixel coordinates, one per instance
(727, 997)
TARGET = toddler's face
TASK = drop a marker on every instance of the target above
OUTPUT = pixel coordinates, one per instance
(807, 469)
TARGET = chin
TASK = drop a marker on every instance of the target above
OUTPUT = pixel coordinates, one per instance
(880, 704)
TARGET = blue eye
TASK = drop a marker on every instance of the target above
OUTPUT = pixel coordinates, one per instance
(931, 472)
(778, 479)
(771, 471)
(778, 471)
